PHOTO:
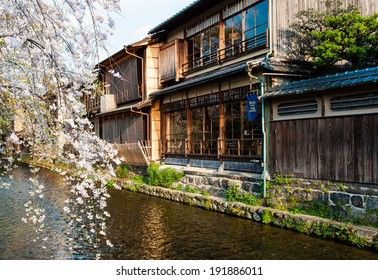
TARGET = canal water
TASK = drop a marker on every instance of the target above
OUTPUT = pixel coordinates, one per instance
(144, 227)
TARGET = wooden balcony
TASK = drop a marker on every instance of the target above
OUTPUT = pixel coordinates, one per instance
(233, 50)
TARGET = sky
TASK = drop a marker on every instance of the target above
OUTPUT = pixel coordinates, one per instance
(137, 17)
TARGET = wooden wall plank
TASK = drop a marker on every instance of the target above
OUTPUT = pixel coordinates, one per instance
(375, 150)
(339, 148)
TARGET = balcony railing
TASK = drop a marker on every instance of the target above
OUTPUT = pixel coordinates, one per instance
(93, 104)
(234, 49)
(251, 148)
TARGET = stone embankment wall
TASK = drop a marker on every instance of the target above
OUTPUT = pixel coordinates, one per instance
(215, 186)
(345, 201)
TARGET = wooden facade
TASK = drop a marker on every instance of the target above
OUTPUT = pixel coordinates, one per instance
(204, 85)
(121, 115)
(334, 148)
(171, 58)
(325, 128)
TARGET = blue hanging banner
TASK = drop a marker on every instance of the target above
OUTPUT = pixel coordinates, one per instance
(252, 106)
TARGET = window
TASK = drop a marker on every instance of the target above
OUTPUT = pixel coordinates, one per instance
(204, 130)
(193, 125)
(246, 30)
(245, 24)
(355, 102)
(233, 34)
(255, 25)
(243, 136)
(176, 132)
(124, 80)
(203, 48)
(305, 107)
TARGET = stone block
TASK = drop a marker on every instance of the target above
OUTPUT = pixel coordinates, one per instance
(357, 201)
(317, 196)
(339, 198)
(247, 186)
(256, 188)
(372, 203)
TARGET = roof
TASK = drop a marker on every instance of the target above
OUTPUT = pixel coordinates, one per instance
(120, 55)
(184, 15)
(339, 80)
(201, 80)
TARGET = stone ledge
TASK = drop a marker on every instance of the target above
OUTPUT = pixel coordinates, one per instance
(357, 235)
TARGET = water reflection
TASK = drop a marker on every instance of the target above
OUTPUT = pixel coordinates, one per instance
(145, 227)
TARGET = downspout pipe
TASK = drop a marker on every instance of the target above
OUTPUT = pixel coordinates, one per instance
(250, 66)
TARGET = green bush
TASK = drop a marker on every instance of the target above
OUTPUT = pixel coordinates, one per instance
(266, 217)
(111, 183)
(233, 194)
(122, 170)
(162, 177)
(191, 190)
(139, 179)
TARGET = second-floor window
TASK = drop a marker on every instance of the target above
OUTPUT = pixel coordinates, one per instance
(243, 30)
(203, 47)
(124, 80)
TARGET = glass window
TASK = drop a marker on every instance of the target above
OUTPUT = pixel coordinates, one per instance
(196, 54)
(176, 131)
(214, 43)
(251, 31)
(204, 130)
(237, 33)
(203, 48)
(261, 17)
(250, 23)
(243, 136)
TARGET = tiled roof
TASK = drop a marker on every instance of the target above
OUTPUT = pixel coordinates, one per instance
(349, 78)
(200, 80)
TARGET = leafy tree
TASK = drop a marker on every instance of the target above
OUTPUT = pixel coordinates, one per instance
(48, 50)
(336, 35)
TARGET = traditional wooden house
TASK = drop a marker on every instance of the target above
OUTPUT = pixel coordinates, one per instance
(214, 56)
(121, 113)
(325, 128)
(203, 100)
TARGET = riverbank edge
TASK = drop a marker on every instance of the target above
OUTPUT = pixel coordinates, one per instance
(360, 236)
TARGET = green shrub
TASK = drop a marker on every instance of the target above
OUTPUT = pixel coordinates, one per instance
(111, 183)
(205, 193)
(233, 194)
(163, 177)
(266, 217)
(131, 188)
(191, 190)
(122, 170)
(153, 174)
(139, 179)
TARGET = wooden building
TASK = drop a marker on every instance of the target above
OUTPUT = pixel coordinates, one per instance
(325, 128)
(188, 87)
(121, 112)
(213, 56)
(202, 72)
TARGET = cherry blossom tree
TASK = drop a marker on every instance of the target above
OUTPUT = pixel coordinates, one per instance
(48, 50)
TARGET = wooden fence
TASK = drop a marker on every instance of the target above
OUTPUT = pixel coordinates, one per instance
(135, 154)
(339, 148)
